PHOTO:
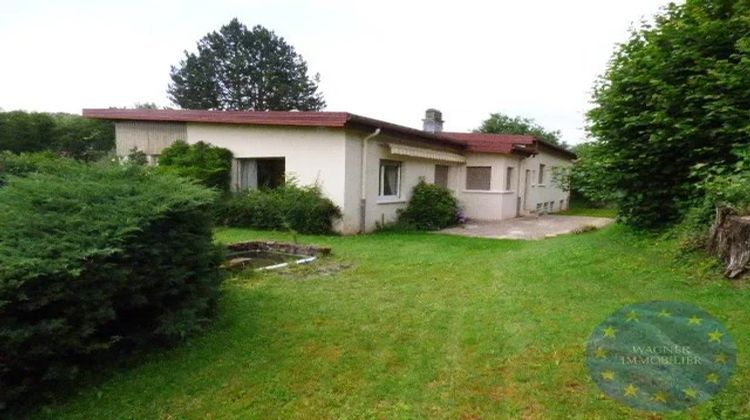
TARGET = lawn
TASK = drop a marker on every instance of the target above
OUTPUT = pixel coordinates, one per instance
(420, 326)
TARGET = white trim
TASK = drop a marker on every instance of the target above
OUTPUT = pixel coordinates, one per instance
(498, 192)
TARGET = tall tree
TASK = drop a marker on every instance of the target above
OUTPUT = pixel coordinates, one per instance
(499, 123)
(238, 68)
(677, 94)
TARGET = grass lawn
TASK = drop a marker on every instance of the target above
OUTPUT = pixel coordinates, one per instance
(420, 326)
(581, 209)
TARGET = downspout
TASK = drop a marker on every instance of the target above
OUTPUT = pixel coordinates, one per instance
(363, 181)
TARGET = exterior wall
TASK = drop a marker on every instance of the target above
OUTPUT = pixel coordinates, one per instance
(149, 137)
(547, 191)
(333, 158)
(377, 209)
(497, 203)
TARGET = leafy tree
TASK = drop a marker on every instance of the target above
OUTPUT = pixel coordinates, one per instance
(64, 134)
(499, 123)
(675, 95)
(244, 69)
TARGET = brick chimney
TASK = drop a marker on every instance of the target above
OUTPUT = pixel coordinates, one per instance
(433, 121)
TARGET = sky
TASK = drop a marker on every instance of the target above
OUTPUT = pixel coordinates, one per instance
(384, 59)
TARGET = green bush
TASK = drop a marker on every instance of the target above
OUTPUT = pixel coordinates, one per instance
(97, 261)
(209, 165)
(431, 207)
(303, 209)
(727, 188)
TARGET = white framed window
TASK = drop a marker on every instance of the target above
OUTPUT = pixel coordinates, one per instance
(478, 177)
(390, 179)
(509, 179)
(541, 173)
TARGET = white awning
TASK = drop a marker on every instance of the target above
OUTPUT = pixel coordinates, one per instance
(419, 152)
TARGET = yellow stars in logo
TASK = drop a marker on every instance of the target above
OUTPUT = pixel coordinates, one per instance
(712, 378)
(660, 397)
(694, 320)
(632, 316)
(600, 353)
(610, 332)
(631, 390)
(608, 375)
(690, 393)
(664, 314)
(721, 358)
(715, 336)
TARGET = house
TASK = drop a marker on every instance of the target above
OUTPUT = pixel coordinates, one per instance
(366, 166)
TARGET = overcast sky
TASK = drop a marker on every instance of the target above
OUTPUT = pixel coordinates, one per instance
(383, 59)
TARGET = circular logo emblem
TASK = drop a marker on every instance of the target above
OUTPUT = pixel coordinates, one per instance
(661, 356)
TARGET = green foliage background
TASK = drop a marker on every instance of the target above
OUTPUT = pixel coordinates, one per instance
(676, 94)
(63, 134)
(499, 123)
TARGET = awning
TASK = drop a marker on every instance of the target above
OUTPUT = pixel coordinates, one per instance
(419, 152)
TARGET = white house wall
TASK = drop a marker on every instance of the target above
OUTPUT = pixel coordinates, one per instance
(377, 209)
(547, 191)
(497, 203)
(312, 155)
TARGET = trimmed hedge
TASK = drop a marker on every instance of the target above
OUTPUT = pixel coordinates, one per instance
(289, 207)
(431, 207)
(97, 261)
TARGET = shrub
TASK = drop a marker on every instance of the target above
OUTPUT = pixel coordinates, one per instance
(209, 165)
(303, 209)
(97, 261)
(727, 188)
(431, 207)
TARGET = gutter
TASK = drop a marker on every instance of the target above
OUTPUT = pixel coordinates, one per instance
(363, 181)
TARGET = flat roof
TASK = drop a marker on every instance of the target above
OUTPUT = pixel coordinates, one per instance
(476, 142)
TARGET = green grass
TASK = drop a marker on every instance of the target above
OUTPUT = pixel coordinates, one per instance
(420, 326)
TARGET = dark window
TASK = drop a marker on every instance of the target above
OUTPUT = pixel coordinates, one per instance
(441, 175)
(509, 179)
(478, 177)
(541, 174)
(271, 172)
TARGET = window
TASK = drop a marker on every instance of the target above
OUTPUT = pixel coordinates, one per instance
(260, 173)
(562, 205)
(541, 174)
(271, 172)
(478, 177)
(441, 175)
(509, 178)
(390, 179)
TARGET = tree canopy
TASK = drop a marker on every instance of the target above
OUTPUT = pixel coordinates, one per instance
(64, 134)
(499, 123)
(675, 95)
(238, 68)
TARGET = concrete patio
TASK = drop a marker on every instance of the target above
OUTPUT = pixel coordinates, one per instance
(527, 227)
